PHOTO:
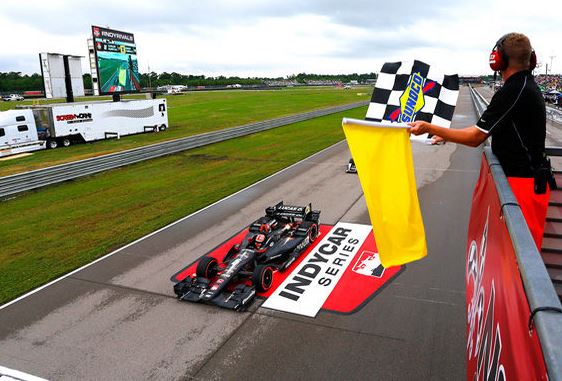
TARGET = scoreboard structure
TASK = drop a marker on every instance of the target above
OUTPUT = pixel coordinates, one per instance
(113, 62)
(62, 75)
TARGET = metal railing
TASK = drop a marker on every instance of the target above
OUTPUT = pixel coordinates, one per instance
(21, 182)
(536, 280)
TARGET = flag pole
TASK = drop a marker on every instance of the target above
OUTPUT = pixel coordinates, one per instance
(368, 123)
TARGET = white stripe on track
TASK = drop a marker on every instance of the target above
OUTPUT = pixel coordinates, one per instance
(12, 374)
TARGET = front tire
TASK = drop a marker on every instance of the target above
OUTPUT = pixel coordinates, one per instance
(262, 278)
(52, 144)
(207, 267)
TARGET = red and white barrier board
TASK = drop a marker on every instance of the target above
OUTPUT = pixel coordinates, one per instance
(499, 345)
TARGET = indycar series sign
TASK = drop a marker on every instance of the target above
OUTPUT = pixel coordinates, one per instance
(309, 285)
(340, 272)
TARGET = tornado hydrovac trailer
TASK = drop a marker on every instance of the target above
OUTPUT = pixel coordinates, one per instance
(68, 123)
(18, 133)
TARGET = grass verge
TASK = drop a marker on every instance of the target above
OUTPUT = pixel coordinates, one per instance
(50, 232)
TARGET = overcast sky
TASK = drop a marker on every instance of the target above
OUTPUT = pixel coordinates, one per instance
(283, 37)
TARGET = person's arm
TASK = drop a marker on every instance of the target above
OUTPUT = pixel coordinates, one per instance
(470, 136)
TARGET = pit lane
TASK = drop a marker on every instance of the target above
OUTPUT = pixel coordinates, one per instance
(119, 319)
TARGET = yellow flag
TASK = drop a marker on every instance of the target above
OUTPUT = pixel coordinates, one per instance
(383, 158)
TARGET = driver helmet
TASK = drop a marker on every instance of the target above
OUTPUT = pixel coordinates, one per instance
(259, 239)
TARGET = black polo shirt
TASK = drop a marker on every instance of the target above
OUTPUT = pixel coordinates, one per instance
(516, 118)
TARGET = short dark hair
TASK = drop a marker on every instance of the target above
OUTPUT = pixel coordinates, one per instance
(518, 48)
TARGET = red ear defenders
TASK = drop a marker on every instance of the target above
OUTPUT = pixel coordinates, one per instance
(499, 59)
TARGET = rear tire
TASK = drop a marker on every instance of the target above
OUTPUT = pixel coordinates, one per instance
(262, 278)
(207, 267)
(66, 142)
(163, 127)
(313, 233)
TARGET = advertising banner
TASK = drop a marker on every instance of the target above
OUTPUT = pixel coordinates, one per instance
(499, 344)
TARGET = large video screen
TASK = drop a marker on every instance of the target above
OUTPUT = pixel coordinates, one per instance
(116, 58)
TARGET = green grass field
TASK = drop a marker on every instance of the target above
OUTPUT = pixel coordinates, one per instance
(194, 113)
(54, 230)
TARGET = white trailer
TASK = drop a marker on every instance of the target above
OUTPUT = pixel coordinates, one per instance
(18, 133)
(67, 123)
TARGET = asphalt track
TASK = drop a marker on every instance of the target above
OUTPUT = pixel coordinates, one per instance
(119, 320)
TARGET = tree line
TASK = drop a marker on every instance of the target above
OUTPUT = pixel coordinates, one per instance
(18, 82)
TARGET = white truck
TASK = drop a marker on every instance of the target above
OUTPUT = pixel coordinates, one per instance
(13, 97)
(18, 133)
(67, 123)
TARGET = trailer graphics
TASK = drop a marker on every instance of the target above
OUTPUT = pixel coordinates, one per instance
(75, 118)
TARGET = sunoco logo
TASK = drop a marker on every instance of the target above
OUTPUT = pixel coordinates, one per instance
(412, 100)
(75, 118)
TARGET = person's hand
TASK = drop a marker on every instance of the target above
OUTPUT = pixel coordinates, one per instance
(418, 128)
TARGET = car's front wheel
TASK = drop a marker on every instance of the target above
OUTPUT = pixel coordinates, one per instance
(207, 267)
(262, 278)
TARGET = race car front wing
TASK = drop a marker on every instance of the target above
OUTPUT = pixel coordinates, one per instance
(194, 289)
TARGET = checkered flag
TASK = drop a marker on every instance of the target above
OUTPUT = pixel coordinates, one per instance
(407, 92)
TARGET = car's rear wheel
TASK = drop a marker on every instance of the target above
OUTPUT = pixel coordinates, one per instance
(207, 267)
(262, 278)
(313, 232)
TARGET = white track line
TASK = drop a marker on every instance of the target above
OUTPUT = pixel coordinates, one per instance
(12, 374)
(161, 229)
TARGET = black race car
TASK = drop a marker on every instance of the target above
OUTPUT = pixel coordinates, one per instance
(272, 243)
(350, 168)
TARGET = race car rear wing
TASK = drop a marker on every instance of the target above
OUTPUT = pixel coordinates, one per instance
(303, 212)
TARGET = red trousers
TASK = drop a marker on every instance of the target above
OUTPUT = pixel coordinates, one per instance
(534, 206)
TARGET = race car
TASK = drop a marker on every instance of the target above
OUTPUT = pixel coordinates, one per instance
(272, 244)
(351, 166)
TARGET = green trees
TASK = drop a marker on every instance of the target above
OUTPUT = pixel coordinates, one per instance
(16, 82)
